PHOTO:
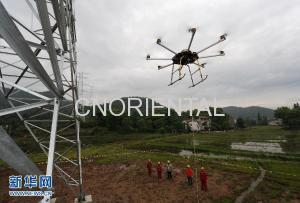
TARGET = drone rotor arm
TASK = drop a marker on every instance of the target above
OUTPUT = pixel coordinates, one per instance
(222, 38)
(158, 59)
(160, 44)
(210, 56)
(161, 67)
(193, 30)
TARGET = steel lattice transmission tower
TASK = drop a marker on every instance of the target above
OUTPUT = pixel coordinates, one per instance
(38, 80)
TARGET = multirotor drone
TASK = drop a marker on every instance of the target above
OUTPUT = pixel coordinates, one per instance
(186, 58)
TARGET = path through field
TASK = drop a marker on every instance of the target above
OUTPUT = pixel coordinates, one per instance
(252, 187)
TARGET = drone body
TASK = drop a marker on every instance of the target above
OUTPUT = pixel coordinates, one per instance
(187, 58)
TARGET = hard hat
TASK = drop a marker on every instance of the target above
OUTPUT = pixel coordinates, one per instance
(188, 166)
(168, 161)
(158, 162)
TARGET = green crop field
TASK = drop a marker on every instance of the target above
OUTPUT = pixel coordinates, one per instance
(212, 150)
(220, 142)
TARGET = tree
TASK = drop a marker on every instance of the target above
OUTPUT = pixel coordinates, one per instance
(127, 124)
(290, 117)
(282, 112)
(149, 125)
(141, 125)
(220, 122)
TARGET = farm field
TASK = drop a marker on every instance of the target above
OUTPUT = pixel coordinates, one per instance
(115, 167)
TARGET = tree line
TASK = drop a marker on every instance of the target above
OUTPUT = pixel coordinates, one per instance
(160, 124)
(290, 116)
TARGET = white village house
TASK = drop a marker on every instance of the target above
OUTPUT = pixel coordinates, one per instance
(198, 124)
(275, 122)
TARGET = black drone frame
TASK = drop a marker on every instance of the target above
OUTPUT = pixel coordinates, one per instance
(186, 58)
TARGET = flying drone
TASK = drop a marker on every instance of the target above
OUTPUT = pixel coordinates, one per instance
(187, 58)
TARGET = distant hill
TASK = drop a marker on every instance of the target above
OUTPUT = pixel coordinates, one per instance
(249, 112)
(244, 112)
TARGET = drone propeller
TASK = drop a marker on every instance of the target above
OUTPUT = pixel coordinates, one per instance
(188, 28)
(160, 36)
(223, 37)
(193, 29)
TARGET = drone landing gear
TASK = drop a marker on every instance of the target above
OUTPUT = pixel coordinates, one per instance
(179, 77)
(198, 70)
(194, 84)
(172, 82)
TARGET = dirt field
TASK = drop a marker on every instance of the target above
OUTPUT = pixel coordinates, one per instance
(130, 183)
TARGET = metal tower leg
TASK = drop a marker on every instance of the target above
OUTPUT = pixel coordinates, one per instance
(51, 150)
(81, 193)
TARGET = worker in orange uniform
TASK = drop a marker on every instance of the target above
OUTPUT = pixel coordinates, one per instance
(203, 179)
(189, 174)
(149, 167)
(159, 170)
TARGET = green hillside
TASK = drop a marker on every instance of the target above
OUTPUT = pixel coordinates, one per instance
(250, 112)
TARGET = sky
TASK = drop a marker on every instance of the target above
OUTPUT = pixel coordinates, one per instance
(261, 65)
(262, 48)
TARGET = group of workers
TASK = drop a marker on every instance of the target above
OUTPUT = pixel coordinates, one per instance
(169, 169)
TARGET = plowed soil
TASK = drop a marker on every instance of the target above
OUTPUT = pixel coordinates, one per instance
(130, 183)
